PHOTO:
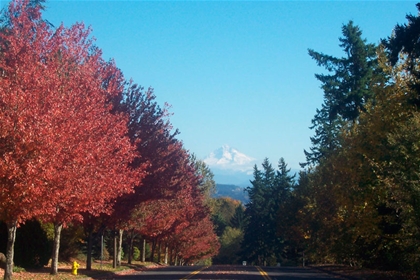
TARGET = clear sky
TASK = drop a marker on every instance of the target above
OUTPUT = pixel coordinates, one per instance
(235, 73)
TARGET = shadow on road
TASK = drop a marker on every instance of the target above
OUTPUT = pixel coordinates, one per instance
(227, 272)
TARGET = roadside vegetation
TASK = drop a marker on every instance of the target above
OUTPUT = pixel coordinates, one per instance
(357, 200)
(91, 168)
(90, 163)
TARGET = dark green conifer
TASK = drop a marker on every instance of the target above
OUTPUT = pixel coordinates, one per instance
(347, 89)
(269, 191)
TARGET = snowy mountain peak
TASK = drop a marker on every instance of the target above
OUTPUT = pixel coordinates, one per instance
(229, 158)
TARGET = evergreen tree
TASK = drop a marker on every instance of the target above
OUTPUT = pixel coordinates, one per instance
(346, 90)
(253, 241)
(269, 215)
(403, 47)
(296, 221)
(269, 191)
(279, 196)
(284, 181)
(326, 131)
(238, 219)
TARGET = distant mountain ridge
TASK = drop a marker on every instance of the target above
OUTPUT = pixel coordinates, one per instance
(232, 191)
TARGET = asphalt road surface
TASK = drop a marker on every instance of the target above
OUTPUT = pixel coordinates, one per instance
(229, 272)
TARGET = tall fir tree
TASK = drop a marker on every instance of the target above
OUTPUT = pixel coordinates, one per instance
(346, 90)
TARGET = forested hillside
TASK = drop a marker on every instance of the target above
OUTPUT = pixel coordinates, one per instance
(232, 191)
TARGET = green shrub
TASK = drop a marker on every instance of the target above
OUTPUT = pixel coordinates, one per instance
(18, 269)
(136, 253)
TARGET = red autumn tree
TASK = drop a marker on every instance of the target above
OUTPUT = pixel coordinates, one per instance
(173, 194)
(169, 198)
(158, 204)
(62, 150)
(197, 241)
(173, 219)
(194, 238)
(150, 131)
(149, 128)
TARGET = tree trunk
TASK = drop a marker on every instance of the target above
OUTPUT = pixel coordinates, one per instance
(11, 237)
(143, 251)
(119, 249)
(158, 251)
(152, 255)
(130, 246)
(56, 248)
(176, 256)
(166, 253)
(89, 250)
(114, 259)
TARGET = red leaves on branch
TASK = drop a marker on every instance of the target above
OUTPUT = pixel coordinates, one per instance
(197, 241)
(75, 138)
(62, 150)
(168, 201)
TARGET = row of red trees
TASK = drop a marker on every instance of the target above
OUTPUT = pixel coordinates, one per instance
(78, 141)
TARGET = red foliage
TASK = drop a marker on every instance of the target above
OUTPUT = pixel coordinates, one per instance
(151, 132)
(181, 219)
(62, 151)
(197, 241)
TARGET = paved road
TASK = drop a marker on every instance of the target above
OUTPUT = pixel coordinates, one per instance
(224, 272)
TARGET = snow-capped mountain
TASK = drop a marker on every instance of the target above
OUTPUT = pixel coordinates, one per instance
(230, 166)
(229, 158)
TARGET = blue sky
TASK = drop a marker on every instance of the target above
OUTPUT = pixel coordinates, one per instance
(235, 73)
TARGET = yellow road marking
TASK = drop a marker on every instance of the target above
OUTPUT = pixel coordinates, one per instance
(194, 273)
(263, 273)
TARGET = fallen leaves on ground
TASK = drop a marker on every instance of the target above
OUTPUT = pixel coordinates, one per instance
(98, 271)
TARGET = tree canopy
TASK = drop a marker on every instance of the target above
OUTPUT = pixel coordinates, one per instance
(78, 141)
